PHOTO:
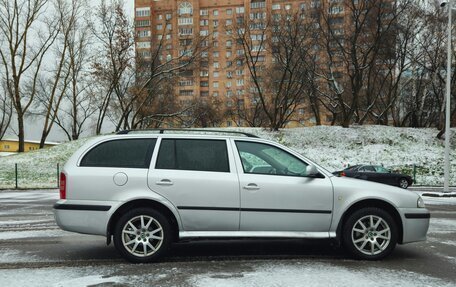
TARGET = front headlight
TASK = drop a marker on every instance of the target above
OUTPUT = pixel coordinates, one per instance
(420, 202)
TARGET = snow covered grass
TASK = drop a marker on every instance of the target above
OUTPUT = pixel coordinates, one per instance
(332, 147)
(36, 169)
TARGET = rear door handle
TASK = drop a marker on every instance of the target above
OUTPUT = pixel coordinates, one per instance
(164, 182)
(251, 186)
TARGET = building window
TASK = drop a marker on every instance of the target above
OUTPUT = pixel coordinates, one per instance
(228, 54)
(204, 84)
(143, 12)
(228, 84)
(159, 26)
(143, 23)
(204, 32)
(186, 83)
(229, 11)
(216, 74)
(336, 10)
(240, 82)
(204, 22)
(185, 21)
(240, 10)
(185, 8)
(204, 73)
(186, 93)
(301, 111)
(258, 4)
(143, 33)
(275, 6)
(216, 65)
(168, 16)
(204, 12)
(288, 7)
(215, 84)
(215, 23)
(204, 94)
(215, 12)
(185, 31)
(143, 45)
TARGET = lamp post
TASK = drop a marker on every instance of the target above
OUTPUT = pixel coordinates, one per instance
(446, 187)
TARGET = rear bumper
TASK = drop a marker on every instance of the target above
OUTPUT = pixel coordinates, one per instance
(83, 217)
(415, 224)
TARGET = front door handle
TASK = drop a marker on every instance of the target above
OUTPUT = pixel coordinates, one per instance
(251, 186)
(164, 182)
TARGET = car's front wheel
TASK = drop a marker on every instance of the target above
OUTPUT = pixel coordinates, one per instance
(142, 235)
(370, 233)
(403, 183)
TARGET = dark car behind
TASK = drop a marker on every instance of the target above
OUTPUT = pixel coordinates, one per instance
(376, 173)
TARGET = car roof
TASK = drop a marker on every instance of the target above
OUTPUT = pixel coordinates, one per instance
(188, 131)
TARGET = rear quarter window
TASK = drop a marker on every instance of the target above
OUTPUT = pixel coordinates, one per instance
(125, 153)
(193, 154)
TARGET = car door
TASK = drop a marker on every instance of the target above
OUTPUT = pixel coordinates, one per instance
(367, 172)
(383, 175)
(198, 176)
(276, 195)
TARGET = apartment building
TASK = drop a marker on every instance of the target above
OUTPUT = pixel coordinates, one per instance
(221, 73)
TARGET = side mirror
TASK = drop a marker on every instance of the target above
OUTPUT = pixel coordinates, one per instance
(312, 171)
(441, 3)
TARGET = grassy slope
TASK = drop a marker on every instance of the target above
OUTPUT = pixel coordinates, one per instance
(332, 147)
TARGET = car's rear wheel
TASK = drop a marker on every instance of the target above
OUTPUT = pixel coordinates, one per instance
(142, 235)
(370, 233)
(403, 183)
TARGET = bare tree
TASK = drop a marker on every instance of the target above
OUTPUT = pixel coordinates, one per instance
(279, 85)
(53, 86)
(114, 67)
(359, 48)
(6, 111)
(21, 57)
(157, 70)
(78, 103)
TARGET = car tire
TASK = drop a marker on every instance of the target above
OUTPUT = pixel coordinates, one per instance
(142, 235)
(370, 234)
(403, 183)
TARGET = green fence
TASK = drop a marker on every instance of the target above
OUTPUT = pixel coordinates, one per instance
(29, 176)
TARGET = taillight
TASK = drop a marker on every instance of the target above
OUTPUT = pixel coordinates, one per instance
(62, 186)
(342, 174)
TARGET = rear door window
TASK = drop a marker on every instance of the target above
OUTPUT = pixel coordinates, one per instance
(193, 154)
(126, 153)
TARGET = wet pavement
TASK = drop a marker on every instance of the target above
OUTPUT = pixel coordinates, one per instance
(35, 252)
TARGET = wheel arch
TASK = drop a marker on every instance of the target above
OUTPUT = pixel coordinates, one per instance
(146, 203)
(388, 207)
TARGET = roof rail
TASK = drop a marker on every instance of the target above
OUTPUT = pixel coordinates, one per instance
(162, 131)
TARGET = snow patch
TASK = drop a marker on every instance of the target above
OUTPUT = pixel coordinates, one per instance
(8, 235)
(57, 277)
(316, 274)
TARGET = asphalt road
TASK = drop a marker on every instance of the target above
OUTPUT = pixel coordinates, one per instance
(35, 252)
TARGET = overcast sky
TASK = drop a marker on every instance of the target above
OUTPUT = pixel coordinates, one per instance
(34, 125)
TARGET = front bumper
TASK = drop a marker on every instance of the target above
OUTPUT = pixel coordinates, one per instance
(415, 224)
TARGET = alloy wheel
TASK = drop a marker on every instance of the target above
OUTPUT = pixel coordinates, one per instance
(142, 236)
(371, 235)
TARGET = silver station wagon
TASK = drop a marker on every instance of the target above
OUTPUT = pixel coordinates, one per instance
(146, 190)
